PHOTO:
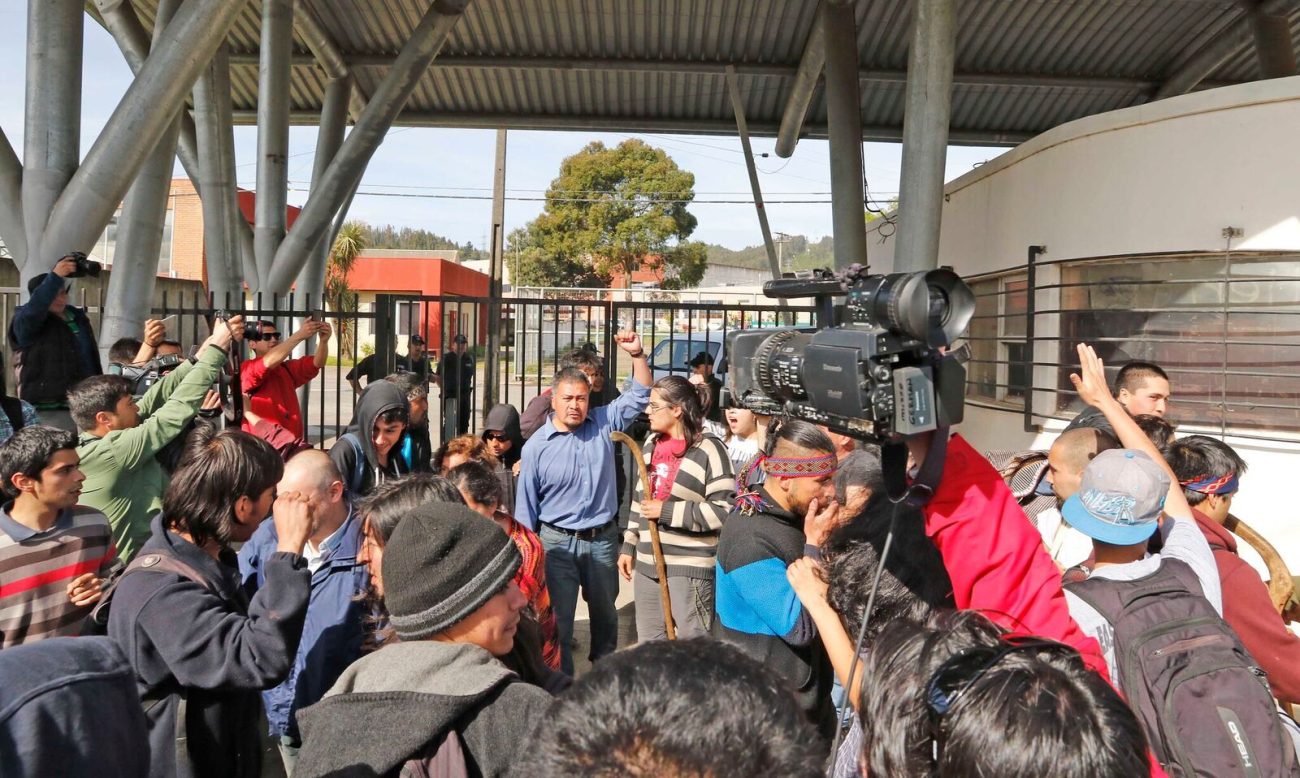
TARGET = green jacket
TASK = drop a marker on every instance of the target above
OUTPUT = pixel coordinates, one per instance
(123, 479)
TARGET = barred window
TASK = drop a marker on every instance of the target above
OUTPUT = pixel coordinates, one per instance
(1226, 327)
(997, 371)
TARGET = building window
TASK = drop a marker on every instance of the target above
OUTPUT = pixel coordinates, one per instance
(997, 370)
(106, 247)
(408, 317)
(1226, 327)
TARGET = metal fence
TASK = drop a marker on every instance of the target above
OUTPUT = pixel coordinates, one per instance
(1224, 325)
(533, 334)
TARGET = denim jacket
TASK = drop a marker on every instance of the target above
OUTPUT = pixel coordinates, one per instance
(335, 625)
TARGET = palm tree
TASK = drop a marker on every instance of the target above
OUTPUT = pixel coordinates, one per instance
(348, 245)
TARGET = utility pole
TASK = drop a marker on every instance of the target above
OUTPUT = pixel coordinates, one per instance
(780, 241)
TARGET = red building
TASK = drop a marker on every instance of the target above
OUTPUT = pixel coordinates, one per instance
(425, 274)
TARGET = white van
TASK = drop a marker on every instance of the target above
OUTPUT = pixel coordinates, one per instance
(672, 355)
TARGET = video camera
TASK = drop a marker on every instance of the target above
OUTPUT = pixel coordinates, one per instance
(876, 367)
(146, 375)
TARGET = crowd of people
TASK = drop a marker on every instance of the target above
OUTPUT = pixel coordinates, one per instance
(387, 608)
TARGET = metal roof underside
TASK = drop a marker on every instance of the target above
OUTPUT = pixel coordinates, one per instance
(1023, 66)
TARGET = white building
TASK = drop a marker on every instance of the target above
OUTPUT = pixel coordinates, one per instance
(1172, 234)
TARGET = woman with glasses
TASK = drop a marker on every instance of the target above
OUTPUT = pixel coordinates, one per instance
(690, 481)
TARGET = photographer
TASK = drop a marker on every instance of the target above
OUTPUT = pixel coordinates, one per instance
(120, 437)
(270, 378)
(54, 344)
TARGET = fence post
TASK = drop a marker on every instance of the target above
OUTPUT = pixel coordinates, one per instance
(1031, 284)
(385, 333)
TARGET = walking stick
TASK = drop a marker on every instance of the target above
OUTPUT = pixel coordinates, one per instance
(660, 568)
(1280, 584)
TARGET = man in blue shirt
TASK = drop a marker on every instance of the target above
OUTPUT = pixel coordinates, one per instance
(335, 627)
(567, 495)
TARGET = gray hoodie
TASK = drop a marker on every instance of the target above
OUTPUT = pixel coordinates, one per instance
(402, 701)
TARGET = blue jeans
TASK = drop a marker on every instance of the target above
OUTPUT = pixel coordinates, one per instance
(572, 563)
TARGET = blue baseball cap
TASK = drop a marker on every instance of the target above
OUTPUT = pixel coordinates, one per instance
(1120, 498)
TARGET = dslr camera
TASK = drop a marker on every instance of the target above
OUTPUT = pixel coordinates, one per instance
(876, 367)
(85, 266)
(147, 374)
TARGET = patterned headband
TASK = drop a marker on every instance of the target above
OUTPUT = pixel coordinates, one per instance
(801, 467)
(1225, 484)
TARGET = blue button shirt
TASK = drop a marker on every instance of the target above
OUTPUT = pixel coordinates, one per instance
(567, 478)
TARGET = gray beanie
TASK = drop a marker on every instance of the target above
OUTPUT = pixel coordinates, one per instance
(442, 562)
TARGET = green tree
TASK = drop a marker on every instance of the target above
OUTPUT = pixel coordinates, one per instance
(614, 210)
(349, 244)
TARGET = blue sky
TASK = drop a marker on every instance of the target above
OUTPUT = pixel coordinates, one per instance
(443, 171)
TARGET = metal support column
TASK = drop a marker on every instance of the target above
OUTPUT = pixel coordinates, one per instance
(495, 319)
(121, 21)
(227, 269)
(52, 123)
(925, 134)
(844, 129)
(333, 124)
(801, 92)
(12, 230)
(742, 127)
(1273, 46)
(350, 163)
(273, 132)
(139, 121)
(140, 227)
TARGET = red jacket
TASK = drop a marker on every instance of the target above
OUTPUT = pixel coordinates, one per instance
(996, 558)
(1249, 611)
(271, 392)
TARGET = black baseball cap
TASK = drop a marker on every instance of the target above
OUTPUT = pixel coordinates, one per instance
(415, 339)
(461, 339)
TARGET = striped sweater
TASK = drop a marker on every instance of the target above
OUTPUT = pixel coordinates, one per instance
(692, 515)
(36, 567)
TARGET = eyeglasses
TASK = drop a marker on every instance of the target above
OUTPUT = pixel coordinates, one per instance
(254, 336)
(500, 436)
(656, 407)
(961, 671)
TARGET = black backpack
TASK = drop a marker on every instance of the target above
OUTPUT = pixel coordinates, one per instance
(1204, 703)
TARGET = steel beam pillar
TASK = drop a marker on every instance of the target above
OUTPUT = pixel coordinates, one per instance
(1273, 46)
(138, 122)
(140, 227)
(273, 132)
(925, 134)
(492, 374)
(333, 124)
(844, 128)
(122, 23)
(742, 128)
(226, 264)
(52, 125)
(12, 230)
(349, 164)
(1232, 43)
(801, 92)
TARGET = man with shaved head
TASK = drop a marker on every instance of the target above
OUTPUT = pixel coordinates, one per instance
(335, 626)
(1066, 461)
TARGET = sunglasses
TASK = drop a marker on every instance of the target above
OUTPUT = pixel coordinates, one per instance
(254, 336)
(498, 436)
(960, 672)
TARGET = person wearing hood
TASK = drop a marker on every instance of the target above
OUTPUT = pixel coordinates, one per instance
(461, 711)
(504, 440)
(369, 452)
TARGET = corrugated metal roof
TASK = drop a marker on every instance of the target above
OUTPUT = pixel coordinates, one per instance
(1023, 66)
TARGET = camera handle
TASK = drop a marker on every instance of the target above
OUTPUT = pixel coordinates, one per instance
(893, 466)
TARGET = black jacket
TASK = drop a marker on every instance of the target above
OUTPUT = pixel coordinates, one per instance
(213, 647)
(361, 476)
(758, 611)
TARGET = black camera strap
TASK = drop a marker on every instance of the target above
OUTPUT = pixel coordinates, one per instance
(893, 465)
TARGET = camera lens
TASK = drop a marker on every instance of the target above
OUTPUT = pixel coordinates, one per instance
(932, 306)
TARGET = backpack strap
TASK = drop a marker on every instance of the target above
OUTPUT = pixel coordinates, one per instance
(1112, 598)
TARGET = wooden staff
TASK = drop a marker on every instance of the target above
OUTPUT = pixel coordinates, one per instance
(660, 567)
(1280, 584)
